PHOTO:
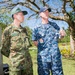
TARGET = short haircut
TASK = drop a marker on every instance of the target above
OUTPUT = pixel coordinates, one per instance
(13, 17)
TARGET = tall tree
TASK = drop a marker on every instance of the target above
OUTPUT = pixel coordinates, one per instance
(58, 13)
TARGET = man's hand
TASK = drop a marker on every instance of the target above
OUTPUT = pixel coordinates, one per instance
(35, 43)
(62, 33)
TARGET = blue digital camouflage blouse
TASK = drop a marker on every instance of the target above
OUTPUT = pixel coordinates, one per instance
(47, 36)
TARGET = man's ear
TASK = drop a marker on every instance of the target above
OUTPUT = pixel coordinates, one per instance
(14, 16)
(41, 14)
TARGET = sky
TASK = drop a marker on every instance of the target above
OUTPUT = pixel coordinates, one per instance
(36, 22)
(33, 22)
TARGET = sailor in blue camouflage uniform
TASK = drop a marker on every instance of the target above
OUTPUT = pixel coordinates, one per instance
(46, 37)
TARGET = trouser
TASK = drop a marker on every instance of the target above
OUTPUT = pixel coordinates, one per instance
(21, 68)
(21, 72)
(26, 70)
(20, 63)
(55, 67)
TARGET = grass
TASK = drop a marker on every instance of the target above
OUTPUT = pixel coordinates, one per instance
(68, 64)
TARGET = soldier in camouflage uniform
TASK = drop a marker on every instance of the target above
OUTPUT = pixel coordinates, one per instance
(45, 37)
(15, 45)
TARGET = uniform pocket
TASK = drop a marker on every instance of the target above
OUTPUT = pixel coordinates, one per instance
(16, 41)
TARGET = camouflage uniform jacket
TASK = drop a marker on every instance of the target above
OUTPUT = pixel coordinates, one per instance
(15, 45)
(49, 34)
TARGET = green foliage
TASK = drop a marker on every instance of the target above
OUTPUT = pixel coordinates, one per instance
(2, 25)
(72, 16)
(5, 18)
(65, 52)
(66, 38)
(29, 32)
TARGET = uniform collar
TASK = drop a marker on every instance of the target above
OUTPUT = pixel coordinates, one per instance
(17, 28)
(46, 26)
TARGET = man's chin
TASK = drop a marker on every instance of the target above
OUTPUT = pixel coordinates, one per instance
(46, 18)
(22, 21)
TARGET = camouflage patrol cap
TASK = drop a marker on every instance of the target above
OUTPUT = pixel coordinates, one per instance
(16, 10)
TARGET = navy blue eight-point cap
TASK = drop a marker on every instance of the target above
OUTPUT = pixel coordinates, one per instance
(44, 9)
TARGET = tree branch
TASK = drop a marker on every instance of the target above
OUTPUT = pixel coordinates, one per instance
(57, 17)
(63, 7)
(29, 4)
(3, 2)
(72, 4)
(66, 15)
(31, 8)
(33, 4)
(43, 2)
(31, 16)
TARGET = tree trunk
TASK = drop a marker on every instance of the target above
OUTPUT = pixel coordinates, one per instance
(1, 63)
(72, 44)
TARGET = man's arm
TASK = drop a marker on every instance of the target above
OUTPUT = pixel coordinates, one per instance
(35, 43)
(55, 25)
(34, 37)
(62, 33)
(5, 44)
